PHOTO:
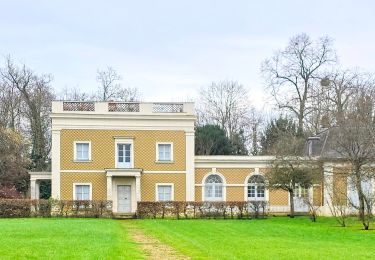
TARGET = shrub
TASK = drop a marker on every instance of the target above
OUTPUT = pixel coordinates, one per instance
(15, 208)
(212, 209)
(9, 192)
(12, 208)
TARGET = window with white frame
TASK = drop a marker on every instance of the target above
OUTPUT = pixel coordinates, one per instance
(82, 192)
(82, 151)
(164, 192)
(256, 187)
(213, 188)
(124, 155)
(164, 152)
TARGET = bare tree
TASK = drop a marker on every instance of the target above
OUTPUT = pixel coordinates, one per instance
(338, 207)
(256, 123)
(110, 87)
(292, 74)
(10, 104)
(73, 94)
(313, 208)
(290, 170)
(340, 87)
(109, 84)
(129, 94)
(226, 104)
(36, 94)
(354, 141)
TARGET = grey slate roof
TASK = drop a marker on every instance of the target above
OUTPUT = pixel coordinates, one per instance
(322, 144)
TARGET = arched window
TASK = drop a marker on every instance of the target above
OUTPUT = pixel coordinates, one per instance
(256, 187)
(213, 188)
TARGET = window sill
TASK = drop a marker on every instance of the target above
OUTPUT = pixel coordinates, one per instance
(167, 162)
(82, 161)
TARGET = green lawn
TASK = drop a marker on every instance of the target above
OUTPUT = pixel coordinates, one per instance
(272, 238)
(65, 239)
(278, 237)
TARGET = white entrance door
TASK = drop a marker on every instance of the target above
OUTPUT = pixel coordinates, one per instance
(124, 198)
(300, 194)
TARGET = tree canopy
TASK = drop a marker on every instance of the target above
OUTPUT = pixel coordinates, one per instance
(212, 140)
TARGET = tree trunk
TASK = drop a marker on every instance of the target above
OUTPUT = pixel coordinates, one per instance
(255, 139)
(291, 200)
(361, 199)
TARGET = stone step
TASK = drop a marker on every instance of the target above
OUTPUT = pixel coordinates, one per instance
(124, 215)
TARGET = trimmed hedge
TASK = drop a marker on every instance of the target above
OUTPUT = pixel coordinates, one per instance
(17, 208)
(192, 209)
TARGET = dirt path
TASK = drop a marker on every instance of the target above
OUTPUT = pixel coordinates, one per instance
(152, 247)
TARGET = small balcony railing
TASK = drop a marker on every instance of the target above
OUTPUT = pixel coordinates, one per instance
(123, 107)
(78, 106)
(168, 108)
(111, 107)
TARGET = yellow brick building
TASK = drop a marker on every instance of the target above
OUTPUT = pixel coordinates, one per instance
(130, 152)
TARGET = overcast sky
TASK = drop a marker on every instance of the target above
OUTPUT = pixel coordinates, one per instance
(169, 49)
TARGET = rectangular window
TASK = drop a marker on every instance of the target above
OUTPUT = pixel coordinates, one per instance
(82, 151)
(164, 152)
(124, 155)
(164, 192)
(82, 192)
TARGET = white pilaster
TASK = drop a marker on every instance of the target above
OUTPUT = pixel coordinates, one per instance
(32, 189)
(55, 164)
(327, 189)
(109, 187)
(190, 168)
(138, 188)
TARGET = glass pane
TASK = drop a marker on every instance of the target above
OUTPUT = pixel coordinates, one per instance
(251, 191)
(214, 178)
(167, 196)
(82, 192)
(208, 191)
(164, 193)
(86, 189)
(85, 147)
(260, 191)
(218, 191)
(160, 155)
(82, 151)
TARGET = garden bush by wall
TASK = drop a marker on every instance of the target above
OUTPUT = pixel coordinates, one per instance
(16, 208)
(182, 209)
